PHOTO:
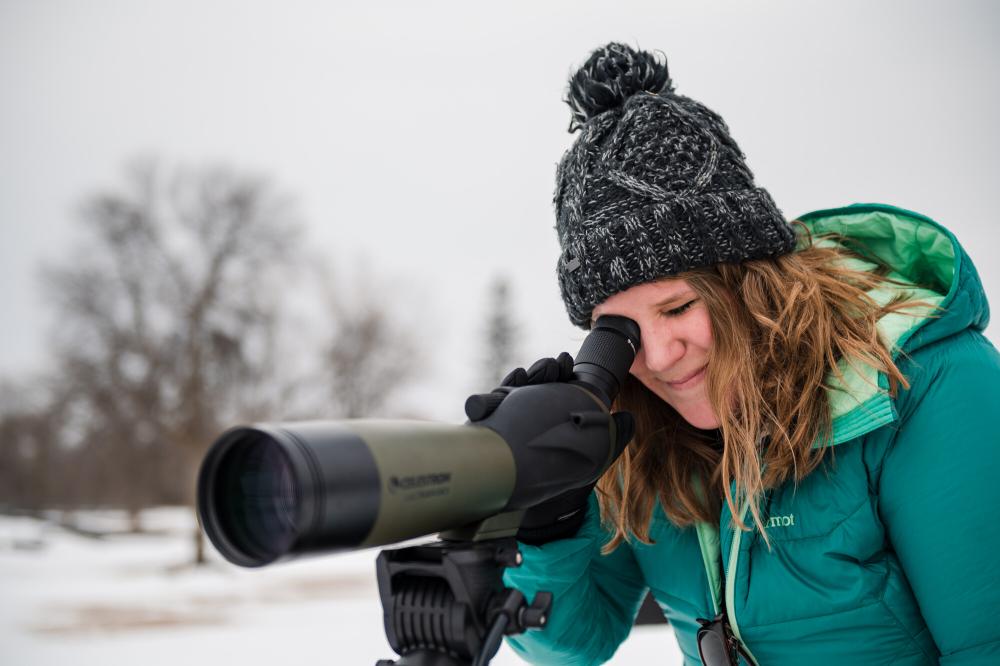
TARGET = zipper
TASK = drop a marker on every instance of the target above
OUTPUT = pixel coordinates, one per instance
(730, 575)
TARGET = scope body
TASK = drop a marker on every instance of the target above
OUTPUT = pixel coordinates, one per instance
(275, 491)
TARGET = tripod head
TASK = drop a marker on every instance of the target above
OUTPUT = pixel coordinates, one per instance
(444, 603)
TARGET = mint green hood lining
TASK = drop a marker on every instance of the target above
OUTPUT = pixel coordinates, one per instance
(919, 251)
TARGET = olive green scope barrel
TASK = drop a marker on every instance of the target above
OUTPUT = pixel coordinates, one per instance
(272, 491)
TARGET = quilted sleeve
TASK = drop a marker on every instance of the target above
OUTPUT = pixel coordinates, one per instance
(940, 494)
(595, 597)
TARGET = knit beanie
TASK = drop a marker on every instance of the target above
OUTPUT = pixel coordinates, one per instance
(652, 187)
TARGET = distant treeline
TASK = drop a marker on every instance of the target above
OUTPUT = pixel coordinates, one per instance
(172, 319)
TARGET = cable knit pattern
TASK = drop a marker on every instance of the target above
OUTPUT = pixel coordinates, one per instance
(652, 187)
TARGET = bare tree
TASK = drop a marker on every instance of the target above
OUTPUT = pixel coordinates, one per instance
(369, 355)
(166, 319)
(501, 333)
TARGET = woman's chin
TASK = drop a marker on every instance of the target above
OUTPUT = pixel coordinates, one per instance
(701, 419)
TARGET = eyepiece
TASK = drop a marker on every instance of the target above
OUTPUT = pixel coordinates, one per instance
(607, 353)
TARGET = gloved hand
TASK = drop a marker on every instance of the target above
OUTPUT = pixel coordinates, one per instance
(561, 516)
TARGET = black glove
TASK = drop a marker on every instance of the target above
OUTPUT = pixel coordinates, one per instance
(561, 516)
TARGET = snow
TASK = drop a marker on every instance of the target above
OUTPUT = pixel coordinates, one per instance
(134, 600)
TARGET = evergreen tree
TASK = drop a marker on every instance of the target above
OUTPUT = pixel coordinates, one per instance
(501, 333)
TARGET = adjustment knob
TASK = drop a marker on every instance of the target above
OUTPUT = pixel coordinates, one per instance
(537, 614)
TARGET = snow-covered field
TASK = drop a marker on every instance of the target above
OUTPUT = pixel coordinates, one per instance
(134, 600)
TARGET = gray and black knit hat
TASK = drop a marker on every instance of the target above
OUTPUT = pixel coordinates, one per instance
(653, 186)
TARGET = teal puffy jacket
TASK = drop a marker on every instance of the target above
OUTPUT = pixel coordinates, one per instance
(889, 553)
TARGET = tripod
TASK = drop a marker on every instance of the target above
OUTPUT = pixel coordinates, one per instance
(444, 603)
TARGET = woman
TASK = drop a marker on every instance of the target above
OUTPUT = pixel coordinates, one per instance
(815, 471)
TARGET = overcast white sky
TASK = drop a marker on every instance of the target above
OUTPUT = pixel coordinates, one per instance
(422, 136)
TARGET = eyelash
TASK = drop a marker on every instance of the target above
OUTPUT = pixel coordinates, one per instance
(680, 310)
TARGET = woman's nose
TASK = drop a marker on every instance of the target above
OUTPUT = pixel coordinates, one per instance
(660, 351)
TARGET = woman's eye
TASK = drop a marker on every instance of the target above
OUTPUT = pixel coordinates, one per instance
(681, 309)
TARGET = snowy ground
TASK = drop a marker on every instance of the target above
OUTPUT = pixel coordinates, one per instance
(132, 600)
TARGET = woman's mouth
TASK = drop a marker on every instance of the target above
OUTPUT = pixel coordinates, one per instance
(689, 381)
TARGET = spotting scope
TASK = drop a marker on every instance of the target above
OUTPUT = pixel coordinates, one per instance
(273, 491)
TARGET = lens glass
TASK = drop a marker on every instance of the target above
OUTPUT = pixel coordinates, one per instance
(257, 498)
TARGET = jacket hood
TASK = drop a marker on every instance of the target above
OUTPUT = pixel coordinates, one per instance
(921, 252)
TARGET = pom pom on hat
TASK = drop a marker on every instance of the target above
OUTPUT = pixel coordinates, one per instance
(612, 74)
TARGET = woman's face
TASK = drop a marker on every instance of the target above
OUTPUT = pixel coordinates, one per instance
(676, 340)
